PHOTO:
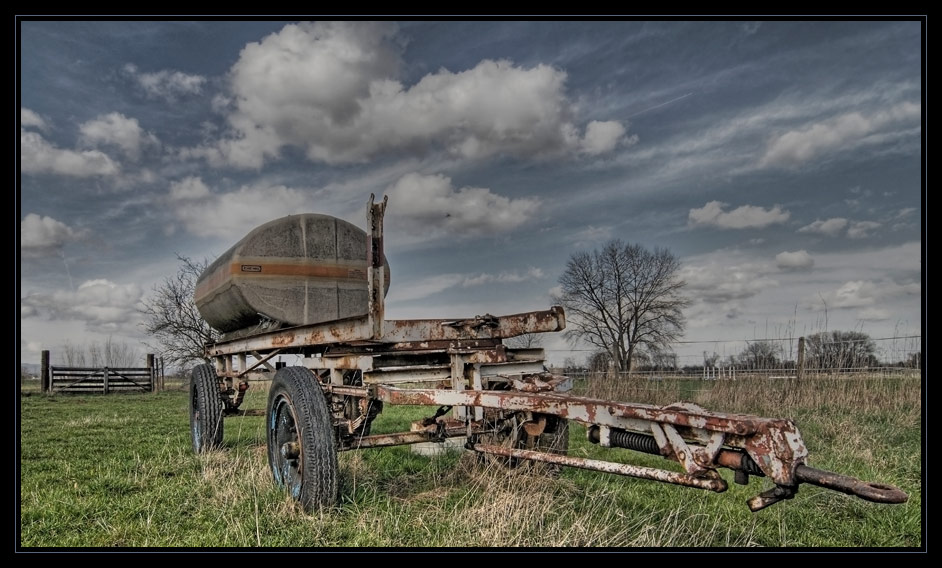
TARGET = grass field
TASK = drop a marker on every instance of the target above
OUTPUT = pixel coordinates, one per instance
(117, 471)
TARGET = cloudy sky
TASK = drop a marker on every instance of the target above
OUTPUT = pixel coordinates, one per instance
(780, 161)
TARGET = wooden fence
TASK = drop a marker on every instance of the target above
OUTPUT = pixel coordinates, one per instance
(62, 379)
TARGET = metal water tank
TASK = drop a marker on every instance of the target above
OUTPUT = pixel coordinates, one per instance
(297, 270)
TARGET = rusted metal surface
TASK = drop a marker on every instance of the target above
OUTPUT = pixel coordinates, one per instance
(374, 264)
(360, 329)
(774, 445)
(771, 497)
(344, 390)
(402, 438)
(777, 448)
(262, 361)
(581, 409)
(875, 492)
(535, 427)
(543, 382)
(710, 481)
(479, 327)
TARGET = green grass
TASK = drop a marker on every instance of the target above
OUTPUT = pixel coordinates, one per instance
(117, 471)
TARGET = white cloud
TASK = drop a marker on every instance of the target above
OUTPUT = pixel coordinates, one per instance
(428, 286)
(601, 137)
(861, 229)
(429, 205)
(831, 227)
(854, 294)
(232, 214)
(102, 305)
(721, 285)
(44, 235)
(166, 84)
(865, 293)
(874, 314)
(426, 207)
(905, 212)
(118, 130)
(30, 118)
(716, 282)
(744, 217)
(38, 156)
(188, 188)
(798, 260)
(845, 131)
(532, 273)
(331, 88)
(591, 236)
(423, 288)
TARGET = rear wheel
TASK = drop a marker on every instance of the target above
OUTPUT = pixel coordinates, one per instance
(205, 409)
(302, 451)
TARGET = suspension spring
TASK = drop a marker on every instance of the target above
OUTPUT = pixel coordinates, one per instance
(647, 444)
(628, 440)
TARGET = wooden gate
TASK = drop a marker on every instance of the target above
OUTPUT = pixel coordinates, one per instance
(102, 379)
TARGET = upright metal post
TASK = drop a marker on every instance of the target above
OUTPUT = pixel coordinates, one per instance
(375, 273)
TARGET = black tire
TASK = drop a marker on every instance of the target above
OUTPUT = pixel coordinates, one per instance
(205, 409)
(302, 451)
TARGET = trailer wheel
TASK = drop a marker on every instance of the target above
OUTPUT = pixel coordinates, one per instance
(302, 451)
(205, 409)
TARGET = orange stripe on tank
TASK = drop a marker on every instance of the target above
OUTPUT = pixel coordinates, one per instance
(250, 269)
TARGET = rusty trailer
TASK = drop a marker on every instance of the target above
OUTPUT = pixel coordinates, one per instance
(502, 401)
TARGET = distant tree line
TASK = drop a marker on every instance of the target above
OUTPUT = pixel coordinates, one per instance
(831, 350)
(107, 353)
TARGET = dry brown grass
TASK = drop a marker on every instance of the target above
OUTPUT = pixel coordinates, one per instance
(767, 396)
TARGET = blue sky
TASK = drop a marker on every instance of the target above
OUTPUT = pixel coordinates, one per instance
(779, 160)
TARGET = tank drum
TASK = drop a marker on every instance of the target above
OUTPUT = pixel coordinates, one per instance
(298, 270)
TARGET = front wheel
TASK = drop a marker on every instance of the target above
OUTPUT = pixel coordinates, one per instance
(302, 451)
(205, 409)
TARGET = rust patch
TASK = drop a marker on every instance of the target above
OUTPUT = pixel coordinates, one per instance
(282, 339)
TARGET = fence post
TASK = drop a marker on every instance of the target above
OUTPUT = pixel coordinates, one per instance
(106, 380)
(800, 368)
(45, 385)
(150, 367)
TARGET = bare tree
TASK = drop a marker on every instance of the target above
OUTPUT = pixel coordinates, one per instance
(570, 366)
(525, 341)
(761, 355)
(622, 298)
(711, 360)
(72, 355)
(835, 350)
(599, 362)
(662, 359)
(171, 316)
(108, 353)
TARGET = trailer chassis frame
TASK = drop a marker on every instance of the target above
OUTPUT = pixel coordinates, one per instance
(494, 396)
